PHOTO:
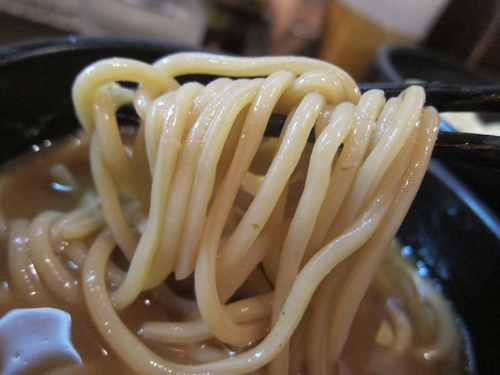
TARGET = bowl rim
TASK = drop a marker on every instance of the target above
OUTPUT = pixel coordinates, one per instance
(391, 50)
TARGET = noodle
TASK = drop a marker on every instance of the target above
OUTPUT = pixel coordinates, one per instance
(277, 239)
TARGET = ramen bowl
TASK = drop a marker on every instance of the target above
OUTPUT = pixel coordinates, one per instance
(453, 237)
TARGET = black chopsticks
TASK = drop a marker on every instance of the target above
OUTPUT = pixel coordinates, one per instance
(449, 98)
(478, 149)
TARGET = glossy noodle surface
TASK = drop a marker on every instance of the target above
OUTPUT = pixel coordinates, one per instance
(194, 244)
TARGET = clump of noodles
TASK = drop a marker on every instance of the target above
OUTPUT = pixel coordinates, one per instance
(299, 227)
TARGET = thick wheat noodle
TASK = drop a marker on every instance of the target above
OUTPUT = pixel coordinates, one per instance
(179, 64)
(332, 299)
(170, 109)
(205, 174)
(365, 268)
(197, 330)
(182, 186)
(403, 328)
(229, 280)
(177, 117)
(340, 325)
(23, 280)
(360, 283)
(283, 164)
(446, 332)
(317, 334)
(380, 158)
(114, 154)
(139, 357)
(316, 185)
(169, 206)
(252, 132)
(441, 326)
(304, 220)
(328, 295)
(63, 176)
(50, 268)
(114, 70)
(162, 175)
(354, 149)
(208, 300)
(108, 191)
(81, 223)
(352, 279)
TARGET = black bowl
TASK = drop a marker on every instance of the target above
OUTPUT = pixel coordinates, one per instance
(451, 232)
(398, 62)
(36, 80)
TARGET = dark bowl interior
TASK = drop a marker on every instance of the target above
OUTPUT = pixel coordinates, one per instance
(397, 63)
(452, 232)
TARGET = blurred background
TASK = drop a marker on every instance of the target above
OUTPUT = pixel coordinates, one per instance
(346, 32)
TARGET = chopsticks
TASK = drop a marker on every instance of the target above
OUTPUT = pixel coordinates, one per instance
(478, 149)
(449, 98)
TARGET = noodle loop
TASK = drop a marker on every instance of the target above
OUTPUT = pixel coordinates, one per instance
(278, 239)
